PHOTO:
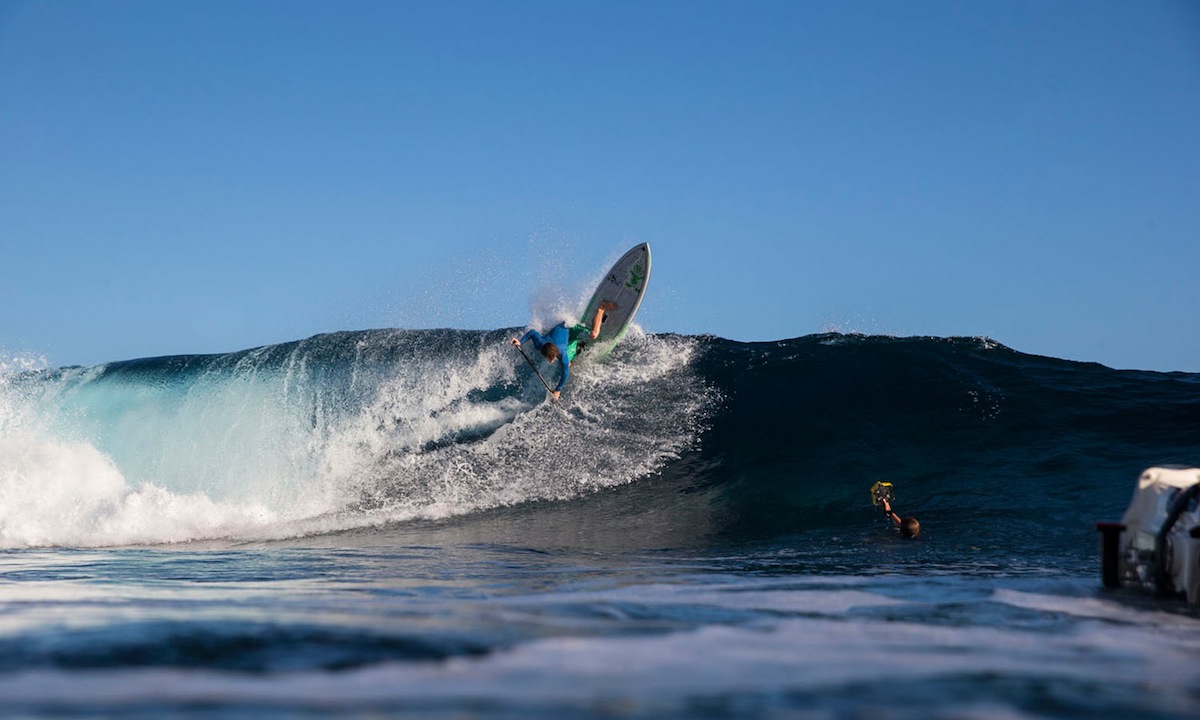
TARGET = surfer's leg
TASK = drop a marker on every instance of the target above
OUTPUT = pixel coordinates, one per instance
(599, 319)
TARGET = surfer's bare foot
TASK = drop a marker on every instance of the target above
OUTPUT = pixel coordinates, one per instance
(608, 305)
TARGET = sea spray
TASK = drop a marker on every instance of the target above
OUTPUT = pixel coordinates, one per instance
(620, 420)
(332, 432)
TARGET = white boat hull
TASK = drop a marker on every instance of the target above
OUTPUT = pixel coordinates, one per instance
(1156, 546)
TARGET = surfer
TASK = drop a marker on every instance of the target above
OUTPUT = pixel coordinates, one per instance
(563, 342)
(909, 527)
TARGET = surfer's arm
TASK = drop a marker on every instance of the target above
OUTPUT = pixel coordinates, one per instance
(566, 373)
(536, 336)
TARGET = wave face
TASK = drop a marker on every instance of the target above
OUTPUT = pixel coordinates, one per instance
(999, 449)
(710, 436)
(334, 432)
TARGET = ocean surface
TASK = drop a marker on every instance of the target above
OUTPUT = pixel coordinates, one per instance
(384, 523)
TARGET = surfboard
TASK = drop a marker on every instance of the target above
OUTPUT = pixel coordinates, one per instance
(625, 284)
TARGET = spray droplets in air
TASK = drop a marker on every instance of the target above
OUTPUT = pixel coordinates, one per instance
(333, 432)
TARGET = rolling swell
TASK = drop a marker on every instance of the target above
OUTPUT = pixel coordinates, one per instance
(690, 438)
(983, 443)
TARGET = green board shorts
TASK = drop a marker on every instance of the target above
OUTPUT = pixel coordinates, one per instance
(574, 335)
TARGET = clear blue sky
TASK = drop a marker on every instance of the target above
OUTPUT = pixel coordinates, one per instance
(181, 177)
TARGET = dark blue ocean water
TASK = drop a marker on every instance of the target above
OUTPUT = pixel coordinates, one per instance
(398, 522)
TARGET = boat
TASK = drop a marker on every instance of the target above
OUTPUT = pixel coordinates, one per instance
(1156, 545)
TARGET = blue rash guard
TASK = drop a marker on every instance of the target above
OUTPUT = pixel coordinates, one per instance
(565, 339)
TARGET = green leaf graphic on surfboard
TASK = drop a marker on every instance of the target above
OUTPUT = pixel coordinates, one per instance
(636, 275)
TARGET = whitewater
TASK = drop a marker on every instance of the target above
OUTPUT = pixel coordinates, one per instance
(329, 433)
(400, 522)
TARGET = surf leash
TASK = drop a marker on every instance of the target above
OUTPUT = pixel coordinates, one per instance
(535, 370)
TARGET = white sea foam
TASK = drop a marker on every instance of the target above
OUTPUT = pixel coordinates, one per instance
(604, 432)
(63, 493)
(255, 448)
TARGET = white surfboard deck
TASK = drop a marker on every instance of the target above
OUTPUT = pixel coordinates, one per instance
(625, 284)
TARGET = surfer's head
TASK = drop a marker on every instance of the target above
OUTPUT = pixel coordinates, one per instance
(909, 527)
(550, 352)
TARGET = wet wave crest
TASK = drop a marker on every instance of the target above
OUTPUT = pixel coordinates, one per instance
(333, 432)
